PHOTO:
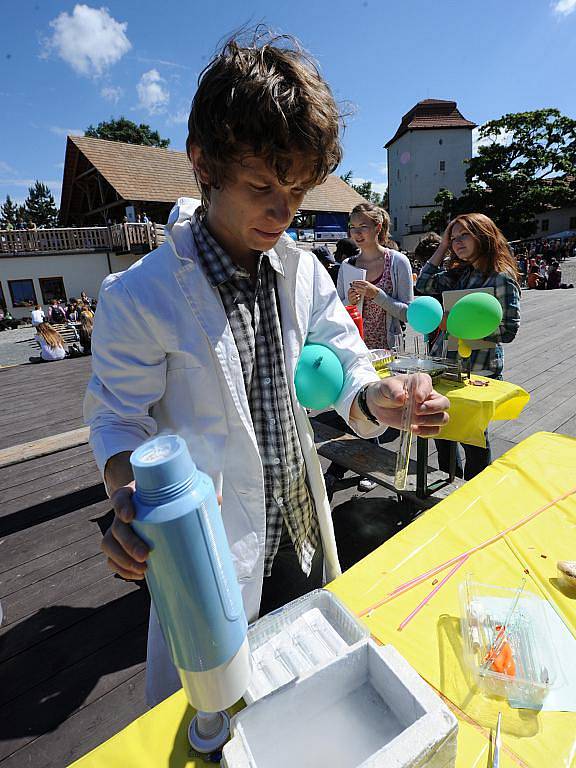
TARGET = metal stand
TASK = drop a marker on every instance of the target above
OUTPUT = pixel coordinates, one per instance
(423, 490)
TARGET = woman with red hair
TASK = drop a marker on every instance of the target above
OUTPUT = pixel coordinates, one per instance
(484, 260)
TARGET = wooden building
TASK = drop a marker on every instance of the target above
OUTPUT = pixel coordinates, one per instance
(104, 178)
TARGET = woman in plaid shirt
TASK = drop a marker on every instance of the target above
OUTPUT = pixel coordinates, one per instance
(484, 260)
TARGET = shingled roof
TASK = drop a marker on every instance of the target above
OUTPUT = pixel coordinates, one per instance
(150, 174)
(431, 113)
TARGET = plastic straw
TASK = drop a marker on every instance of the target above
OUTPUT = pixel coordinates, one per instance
(430, 595)
(403, 454)
(439, 568)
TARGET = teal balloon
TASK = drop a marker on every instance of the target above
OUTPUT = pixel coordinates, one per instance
(474, 316)
(425, 314)
(319, 377)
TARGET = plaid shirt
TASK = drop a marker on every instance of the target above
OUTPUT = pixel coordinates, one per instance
(488, 362)
(254, 318)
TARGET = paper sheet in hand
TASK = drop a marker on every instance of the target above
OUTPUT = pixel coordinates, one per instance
(349, 274)
(449, 298)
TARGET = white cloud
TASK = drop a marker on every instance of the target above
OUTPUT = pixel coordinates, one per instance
(163, 63)
(56, 129)
(6, 168)
(180, 116)
(152, 92)
(502, 137)
(111, 93)
(564, 7)
(377, 186)
(381, 168)
(89, 40)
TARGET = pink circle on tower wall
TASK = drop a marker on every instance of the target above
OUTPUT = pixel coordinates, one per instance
(405, 158)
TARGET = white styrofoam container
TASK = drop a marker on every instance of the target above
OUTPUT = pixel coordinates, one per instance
(338, 630)
(366, 708)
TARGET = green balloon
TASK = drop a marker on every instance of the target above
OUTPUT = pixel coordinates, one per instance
(319, 377)
(474, 316)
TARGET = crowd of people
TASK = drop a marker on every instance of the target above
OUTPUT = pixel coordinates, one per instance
(77, 314)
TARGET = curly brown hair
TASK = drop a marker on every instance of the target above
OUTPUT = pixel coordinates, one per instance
(265, 98)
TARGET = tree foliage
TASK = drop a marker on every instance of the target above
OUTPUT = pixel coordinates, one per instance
(437, 220)
(524, 166)
(125, 130)
(365, 189)
(39, 207)
(9, 213)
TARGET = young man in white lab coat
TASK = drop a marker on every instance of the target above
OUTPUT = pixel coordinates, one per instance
(202, 337)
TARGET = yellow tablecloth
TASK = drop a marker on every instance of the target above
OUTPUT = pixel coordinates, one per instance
(541, 468)
(472, 407)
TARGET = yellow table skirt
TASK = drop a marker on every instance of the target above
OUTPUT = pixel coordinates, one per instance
(534, 472)
(473, 407)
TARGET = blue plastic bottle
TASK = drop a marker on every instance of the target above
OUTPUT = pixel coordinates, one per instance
(190, 573)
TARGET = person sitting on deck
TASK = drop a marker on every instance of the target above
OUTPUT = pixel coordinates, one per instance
(52, 345)
(85, 332)
(201, 337)
(37, 315)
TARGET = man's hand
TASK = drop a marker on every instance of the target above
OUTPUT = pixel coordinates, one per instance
(126, 552)
(386, 399)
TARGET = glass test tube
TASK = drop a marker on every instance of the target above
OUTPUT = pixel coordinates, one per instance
(403, 454)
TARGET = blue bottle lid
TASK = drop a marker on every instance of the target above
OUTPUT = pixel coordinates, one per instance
(163, 463)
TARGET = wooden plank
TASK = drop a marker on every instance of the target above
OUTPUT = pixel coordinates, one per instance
(44, 566)
(15, 429)
(48, 481)
(100, 627)
(51, 535)
(22, 472)
(88, 727)
(45, 707)
(53, 619)
(46, 445)
(40, 432)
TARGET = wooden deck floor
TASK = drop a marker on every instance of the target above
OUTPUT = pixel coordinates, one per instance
(73, 640)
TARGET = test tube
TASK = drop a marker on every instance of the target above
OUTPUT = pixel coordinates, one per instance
(403, 454)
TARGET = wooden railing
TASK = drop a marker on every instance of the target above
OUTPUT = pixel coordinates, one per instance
(121, 238)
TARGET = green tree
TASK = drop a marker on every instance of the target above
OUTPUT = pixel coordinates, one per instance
(39, 206)
(9, 213)
(437, 220)
(523, 167)
(365, 189)
(127, 131)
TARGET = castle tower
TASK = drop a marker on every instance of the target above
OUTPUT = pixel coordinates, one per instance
(427, 153)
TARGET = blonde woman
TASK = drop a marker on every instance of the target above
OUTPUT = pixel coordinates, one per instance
(52, 345)
(484, 260)
(389, 285)
(85, 332)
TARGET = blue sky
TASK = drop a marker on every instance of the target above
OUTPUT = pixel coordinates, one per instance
(65, 65)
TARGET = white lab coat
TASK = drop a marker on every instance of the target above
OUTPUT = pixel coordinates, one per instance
(164, 360)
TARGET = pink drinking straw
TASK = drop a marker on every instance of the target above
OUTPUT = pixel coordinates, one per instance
(430, 595)
(408, 585)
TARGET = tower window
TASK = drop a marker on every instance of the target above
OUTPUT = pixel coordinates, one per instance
(545, 225)
(442, 165)
(440, 141)
(395, 223)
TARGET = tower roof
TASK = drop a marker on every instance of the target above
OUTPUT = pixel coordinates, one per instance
(431, 113)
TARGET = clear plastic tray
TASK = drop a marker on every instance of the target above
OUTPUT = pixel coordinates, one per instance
(381, 358)
(484, 608)
(299, 638)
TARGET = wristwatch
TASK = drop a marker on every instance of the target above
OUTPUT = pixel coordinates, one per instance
(363, 405)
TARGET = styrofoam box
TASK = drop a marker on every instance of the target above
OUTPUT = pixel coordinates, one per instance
(364, 709)
(297, 639)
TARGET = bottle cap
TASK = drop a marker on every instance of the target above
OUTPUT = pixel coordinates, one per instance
(162, 462)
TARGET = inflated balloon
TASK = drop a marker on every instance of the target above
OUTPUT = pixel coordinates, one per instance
(425, 314)
(463, 349)
(474, 316)
(319, 377)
